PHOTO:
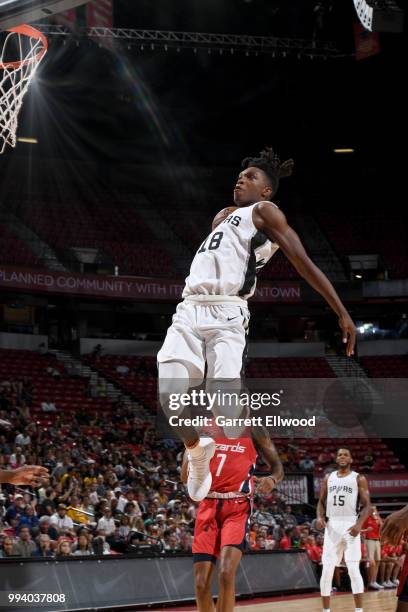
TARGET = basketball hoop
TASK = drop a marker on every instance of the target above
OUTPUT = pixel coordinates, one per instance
(30, 46)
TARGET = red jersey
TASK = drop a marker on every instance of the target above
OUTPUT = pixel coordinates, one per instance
(374, 532)
(232, 466)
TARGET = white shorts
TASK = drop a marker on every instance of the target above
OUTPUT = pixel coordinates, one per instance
(205, 333)
(337, 541)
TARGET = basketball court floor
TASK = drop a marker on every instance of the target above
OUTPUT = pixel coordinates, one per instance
(385, 601)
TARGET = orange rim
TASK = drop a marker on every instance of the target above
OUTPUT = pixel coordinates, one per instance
(31, 32)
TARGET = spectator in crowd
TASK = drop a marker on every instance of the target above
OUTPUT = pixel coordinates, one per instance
(171, 543)
(262, 516)
(16, 509)
(306, 464)
(22, 439)
(124, 528)
(288, 516)
(106, 524)
(46, 528)
(372, 533)
(77, 512)
(62, 522)
(277, 514)
(64, 548)
(83, 546)
(44, 548)
(269, 543)
(24, 546)
(286, 541)
(17, 459)
(7, 549)
(29, 519)
(128, 497)
(314, 550)
(368, 460)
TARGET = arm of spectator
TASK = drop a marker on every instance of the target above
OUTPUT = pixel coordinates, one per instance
(321, 505)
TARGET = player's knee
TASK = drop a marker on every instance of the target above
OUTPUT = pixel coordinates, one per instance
(170, 391)
(357, 584)
(226, 576)
(326, 579)
(202, 582)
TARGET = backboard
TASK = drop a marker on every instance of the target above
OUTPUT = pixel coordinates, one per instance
(16, 12)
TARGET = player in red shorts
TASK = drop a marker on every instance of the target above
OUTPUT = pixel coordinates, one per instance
(393, 530)
(222, 521)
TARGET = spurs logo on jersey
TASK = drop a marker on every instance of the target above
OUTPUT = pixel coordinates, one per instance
(229, 259)
(342, 496)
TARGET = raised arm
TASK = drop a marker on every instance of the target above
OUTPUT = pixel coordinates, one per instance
(321, 505)
(272, 222)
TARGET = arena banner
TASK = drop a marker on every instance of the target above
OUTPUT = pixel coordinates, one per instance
(115, 582)
(122, 287)
(380, 484)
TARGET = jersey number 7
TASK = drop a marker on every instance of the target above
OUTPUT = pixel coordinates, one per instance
(222, 457)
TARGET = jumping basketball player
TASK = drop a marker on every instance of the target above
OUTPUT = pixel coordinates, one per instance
(394, 528)
(210, 325)
(341, 493)
(222, 521)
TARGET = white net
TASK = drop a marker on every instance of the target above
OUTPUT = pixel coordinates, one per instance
(21, 54)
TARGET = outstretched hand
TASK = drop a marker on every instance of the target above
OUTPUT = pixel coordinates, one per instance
(31, 475)
(348, 332)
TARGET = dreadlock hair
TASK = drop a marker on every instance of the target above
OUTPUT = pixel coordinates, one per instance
(270, 163)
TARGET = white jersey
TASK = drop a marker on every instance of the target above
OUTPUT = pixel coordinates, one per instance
(342, 497)
(228, 260)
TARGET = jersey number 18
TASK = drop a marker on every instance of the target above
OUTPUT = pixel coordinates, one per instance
(214, 243)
